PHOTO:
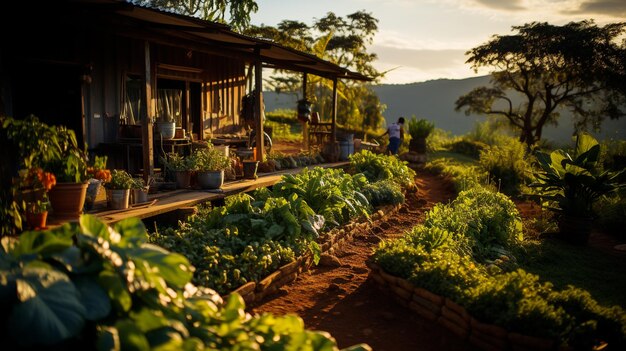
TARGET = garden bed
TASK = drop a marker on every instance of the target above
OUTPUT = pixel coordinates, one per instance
(454, 317)
(333, 240)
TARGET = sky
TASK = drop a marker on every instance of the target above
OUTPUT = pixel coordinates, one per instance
(420, 40)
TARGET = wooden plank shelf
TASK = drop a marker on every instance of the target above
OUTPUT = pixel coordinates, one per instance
(170, 201)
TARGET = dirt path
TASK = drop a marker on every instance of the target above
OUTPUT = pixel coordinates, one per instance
(342, 301)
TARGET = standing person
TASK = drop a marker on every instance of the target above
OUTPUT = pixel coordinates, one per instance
(396, 136)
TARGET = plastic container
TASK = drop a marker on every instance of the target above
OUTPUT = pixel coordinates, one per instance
(346, 148)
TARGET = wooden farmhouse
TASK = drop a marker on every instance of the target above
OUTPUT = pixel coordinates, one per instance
(111, 71)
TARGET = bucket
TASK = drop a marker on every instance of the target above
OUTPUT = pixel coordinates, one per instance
(346, 148)
(117, 199)
(167, 129)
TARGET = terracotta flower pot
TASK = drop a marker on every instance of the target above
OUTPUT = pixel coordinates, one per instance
(36, 220)
(67, 200)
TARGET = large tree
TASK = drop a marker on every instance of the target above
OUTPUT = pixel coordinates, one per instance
(580, 67)
(210, 10)
(341, 40)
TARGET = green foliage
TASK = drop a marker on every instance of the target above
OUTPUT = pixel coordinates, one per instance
(340, 40)
(507, 165)
(331, 193)
(550, 67)
(178, 163)
(611, 212)
(120, 179)
(574, 182)
(463, 176)
(53, 148)
(87, 286)
(251, 237)
(467, 147)
(210, 10)
(210, 159)
(420, 128)
(377, 167)
(518, 301)
(488, 220)
(384, 192)
(613, 154)
(441, 256)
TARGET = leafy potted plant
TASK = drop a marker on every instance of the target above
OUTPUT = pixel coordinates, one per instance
(419, 131)
(37, 213)
(118, 189)
(210, 166)
(181, 166)
(572, 183)
(56, 151)
(140, 190)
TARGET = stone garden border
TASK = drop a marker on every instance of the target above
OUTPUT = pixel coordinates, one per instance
(332, 240)
(455, 317)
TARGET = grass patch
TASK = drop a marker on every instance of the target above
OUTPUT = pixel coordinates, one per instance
(585, 267)
(459, 158)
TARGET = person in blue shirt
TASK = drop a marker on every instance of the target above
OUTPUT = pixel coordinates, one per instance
(396, 136)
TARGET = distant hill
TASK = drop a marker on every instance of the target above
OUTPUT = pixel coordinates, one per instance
(434, 100)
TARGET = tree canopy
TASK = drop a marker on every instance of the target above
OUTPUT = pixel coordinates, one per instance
(343, 41)
(578, 66)
(210, 10)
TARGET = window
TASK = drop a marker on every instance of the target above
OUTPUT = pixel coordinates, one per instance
(134, 106)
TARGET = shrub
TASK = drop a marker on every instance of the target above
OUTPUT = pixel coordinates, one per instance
(489, 220)
(507, 165)
(467, 147)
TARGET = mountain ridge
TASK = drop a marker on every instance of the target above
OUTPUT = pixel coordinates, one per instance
(434, 100)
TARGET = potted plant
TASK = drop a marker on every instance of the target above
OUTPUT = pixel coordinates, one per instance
(210, 166)
(419, 131)
(55, 150)
(35, 184)
(118, 189)
(572, 183)
(181, 166)
(97, 174)
(37, 213)
(140, 190)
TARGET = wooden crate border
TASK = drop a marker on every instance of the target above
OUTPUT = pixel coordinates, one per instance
(455, 317)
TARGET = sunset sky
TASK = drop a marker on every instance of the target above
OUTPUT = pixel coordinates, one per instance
(427, 39)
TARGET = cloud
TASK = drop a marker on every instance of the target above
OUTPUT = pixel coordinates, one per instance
(614, 8)
(510, 5)
(419, 58)
(407, 65)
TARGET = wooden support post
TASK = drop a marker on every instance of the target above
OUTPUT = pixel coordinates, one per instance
(146, 123)
(305, 126)
(334, 112)
(258, 107)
